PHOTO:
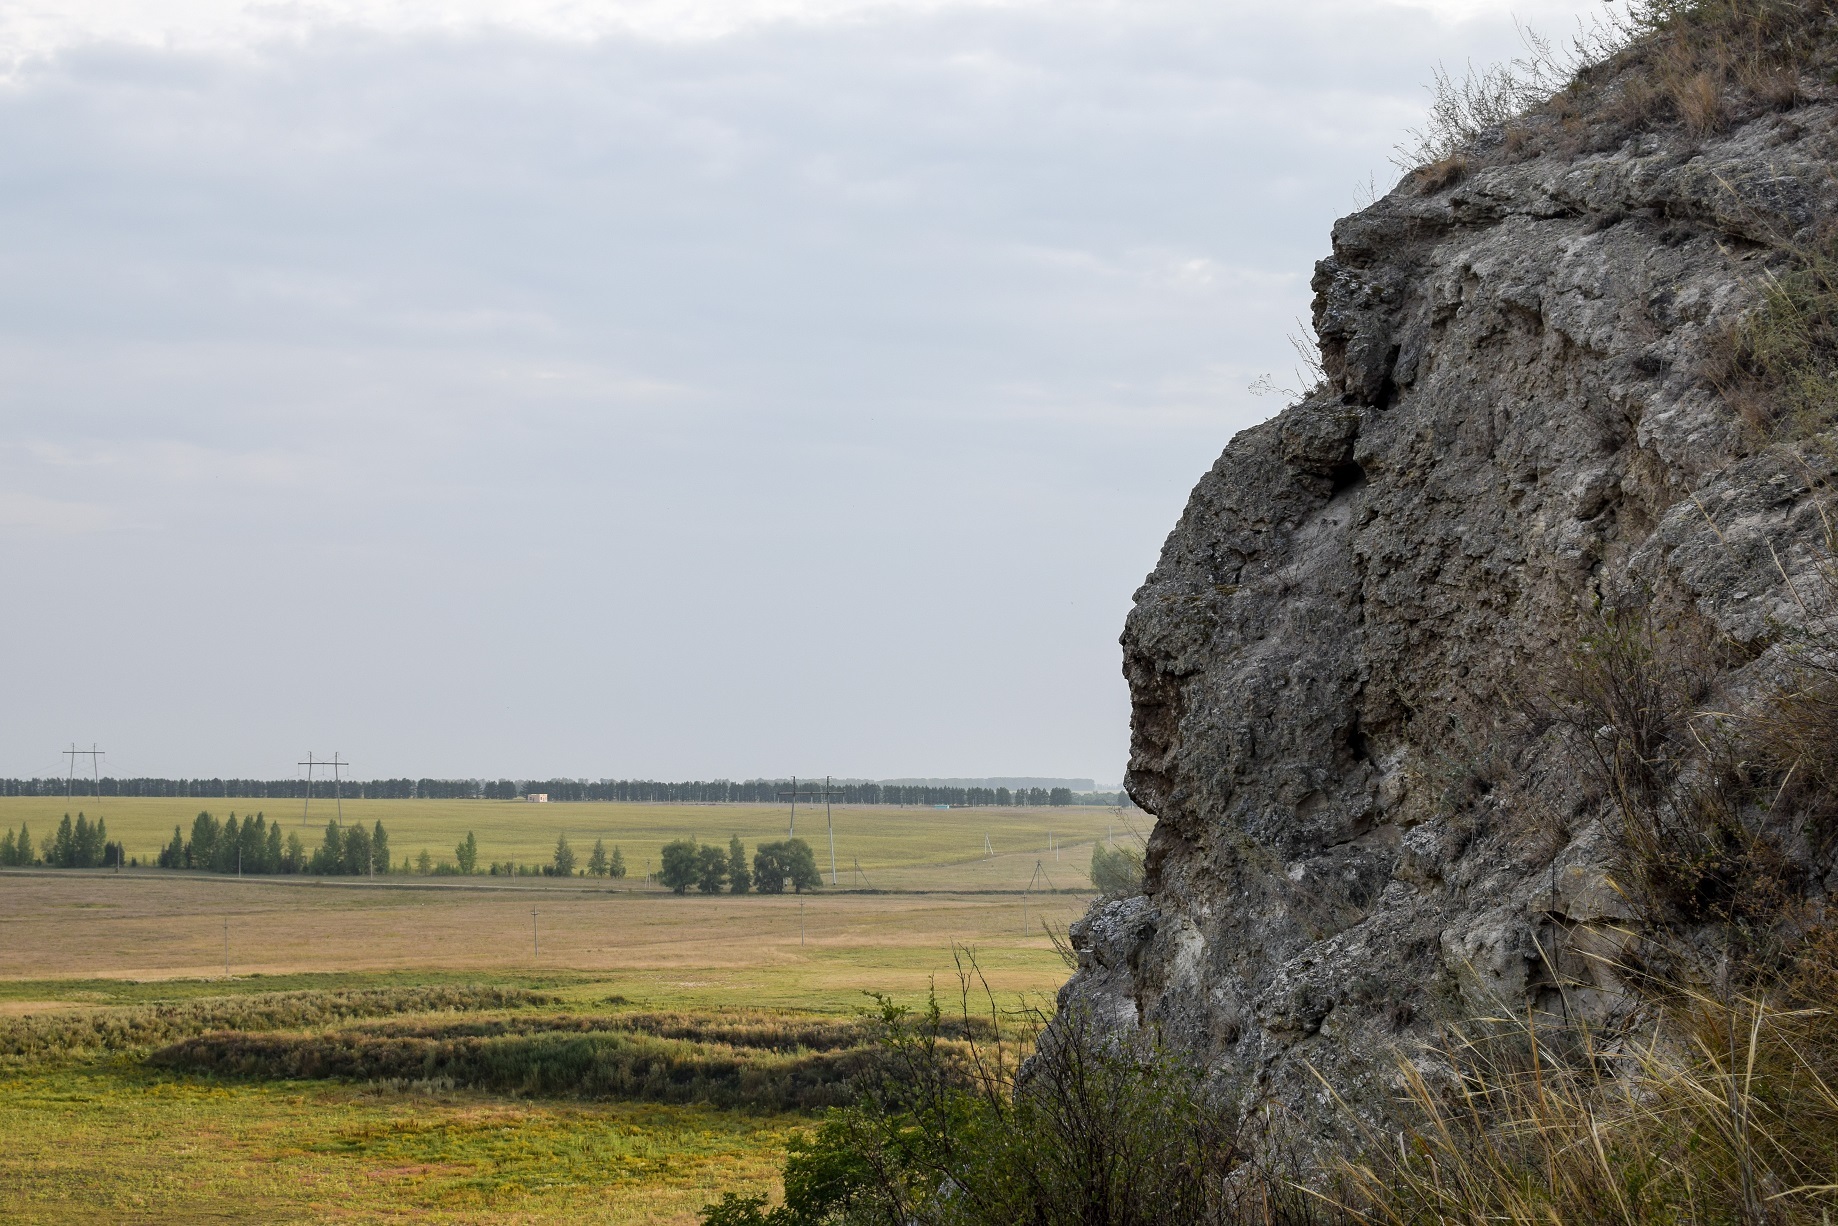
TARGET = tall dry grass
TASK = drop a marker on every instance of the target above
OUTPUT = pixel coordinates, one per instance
(1721, 1110)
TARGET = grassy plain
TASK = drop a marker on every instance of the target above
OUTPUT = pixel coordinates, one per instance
(106, 1137)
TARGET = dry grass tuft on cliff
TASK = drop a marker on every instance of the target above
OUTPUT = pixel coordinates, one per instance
(1725, 1112)
(1702, 65)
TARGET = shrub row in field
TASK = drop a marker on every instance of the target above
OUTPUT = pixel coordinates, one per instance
(753, 1030)
(617, 1064)
(36, 1037)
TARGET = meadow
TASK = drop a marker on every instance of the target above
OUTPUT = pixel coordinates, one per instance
(191, 1107)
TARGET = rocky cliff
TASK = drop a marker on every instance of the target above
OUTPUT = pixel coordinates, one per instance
(1359, 830)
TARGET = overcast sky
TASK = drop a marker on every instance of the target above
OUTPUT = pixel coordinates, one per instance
(643, 388)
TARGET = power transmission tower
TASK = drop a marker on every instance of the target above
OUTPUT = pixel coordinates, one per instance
(335, 764)
(94, 755)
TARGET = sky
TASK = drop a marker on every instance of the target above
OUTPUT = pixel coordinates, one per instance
(648, 388)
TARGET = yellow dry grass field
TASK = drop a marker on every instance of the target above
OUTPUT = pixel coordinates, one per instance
(822, 950)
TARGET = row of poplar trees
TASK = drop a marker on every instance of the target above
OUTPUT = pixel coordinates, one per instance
(78, 844)
(256, 846)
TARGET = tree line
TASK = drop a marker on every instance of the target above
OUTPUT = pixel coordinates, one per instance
(256, 846)
(718, 791)
(78, 844)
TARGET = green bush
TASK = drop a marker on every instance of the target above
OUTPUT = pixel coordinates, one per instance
(1116, 872)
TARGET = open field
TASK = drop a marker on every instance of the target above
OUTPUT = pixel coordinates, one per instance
(897, 848)
(648, 944)
(105, 1136)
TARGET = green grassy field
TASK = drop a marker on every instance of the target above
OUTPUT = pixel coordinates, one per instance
(896, 848)
(104, 1136)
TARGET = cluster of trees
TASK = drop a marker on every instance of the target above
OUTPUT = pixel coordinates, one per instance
(719, 791)
(711, 870)
(78, 844)
(254, 845)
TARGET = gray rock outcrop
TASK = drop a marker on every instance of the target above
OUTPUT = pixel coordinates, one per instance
(1354, 836)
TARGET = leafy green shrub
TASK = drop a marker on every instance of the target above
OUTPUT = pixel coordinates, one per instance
(1116, 872)
(1092, 1129)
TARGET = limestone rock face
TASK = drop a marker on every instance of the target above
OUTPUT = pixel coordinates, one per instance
(1351, 838)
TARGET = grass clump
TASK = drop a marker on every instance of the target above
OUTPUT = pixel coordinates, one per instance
(1778, 367)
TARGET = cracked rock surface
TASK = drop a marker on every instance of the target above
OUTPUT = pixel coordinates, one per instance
(1352, 839)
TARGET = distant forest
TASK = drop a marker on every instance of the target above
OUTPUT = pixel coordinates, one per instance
(719, 791)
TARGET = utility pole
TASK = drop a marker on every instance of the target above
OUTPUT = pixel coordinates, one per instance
(226, 947)
(535, 943)
(792, 827)
(1040, 873)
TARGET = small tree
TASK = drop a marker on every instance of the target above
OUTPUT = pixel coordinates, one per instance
(615, 867)
(769, 868)
(203, 841)
(788, 860)
(274, 856)
(356, 858)
(563, 858)
(22, 854)
(327, 859)
(739, 879)
(679, 869)
(711, 869)
(424, 863)
(379, 848)
(227, 846)
(596, 860)
(1116, 873)
(467, 854)
(64, 844)
(293, 860)
(802, 864)
(8, 849)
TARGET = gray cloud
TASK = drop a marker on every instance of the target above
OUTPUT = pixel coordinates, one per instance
(809, 398)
